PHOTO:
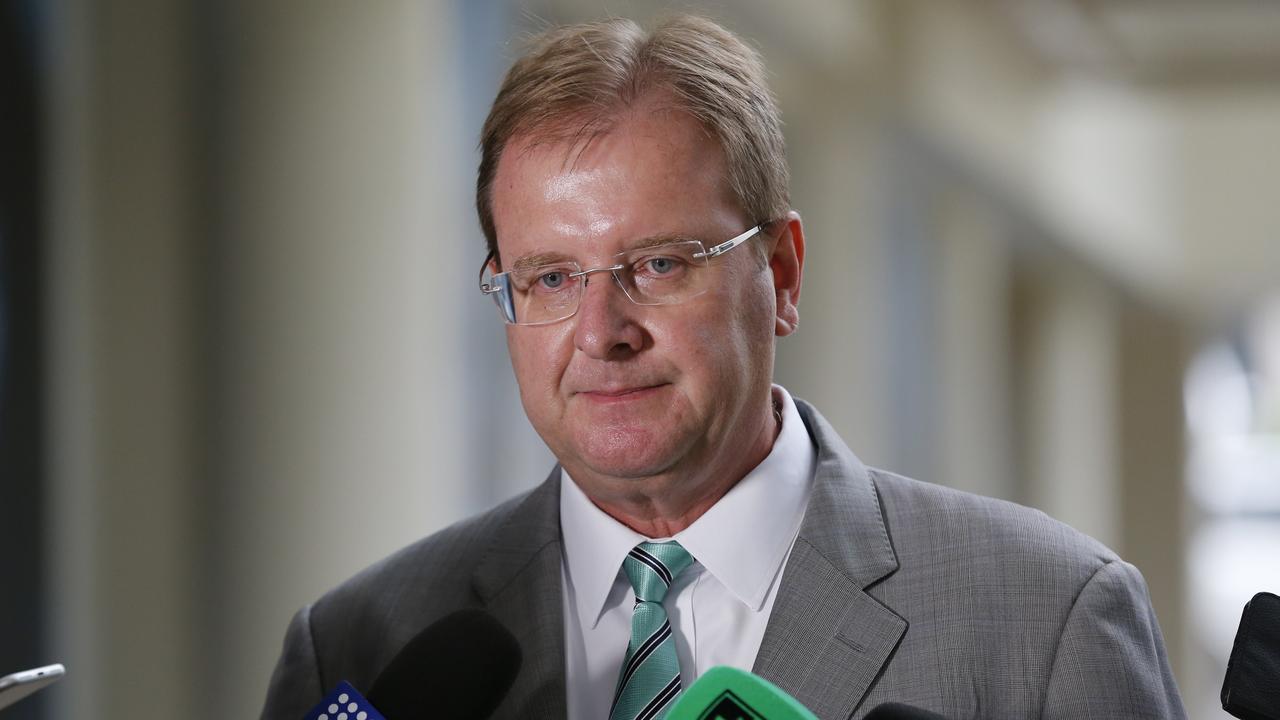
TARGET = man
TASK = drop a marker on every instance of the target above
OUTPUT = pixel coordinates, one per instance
(633, 192)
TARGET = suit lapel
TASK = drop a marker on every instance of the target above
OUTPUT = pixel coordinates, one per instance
(827, 639)
(519, 582)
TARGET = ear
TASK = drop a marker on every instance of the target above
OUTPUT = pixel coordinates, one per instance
(492, 263)
(787, 263)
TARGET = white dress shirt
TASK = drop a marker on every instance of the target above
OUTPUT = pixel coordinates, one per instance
(718, 607)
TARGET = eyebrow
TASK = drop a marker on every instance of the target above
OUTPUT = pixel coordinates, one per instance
(663, 239)
(539, 259)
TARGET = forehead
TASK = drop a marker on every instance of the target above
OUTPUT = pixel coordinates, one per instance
(653, 172)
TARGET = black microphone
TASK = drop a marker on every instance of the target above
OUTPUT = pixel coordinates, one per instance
(1251, 689)
(898, 711)
(458, 668)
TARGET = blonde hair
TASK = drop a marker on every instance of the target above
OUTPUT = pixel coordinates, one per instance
(574, 80)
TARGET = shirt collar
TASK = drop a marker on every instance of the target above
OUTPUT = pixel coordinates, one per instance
(742, 540)
(594, 547)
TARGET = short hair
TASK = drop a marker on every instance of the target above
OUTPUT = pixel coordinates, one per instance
(574, 80)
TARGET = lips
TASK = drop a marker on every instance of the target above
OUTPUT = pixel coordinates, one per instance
(616, 393)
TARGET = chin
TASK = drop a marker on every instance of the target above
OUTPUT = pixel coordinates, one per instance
(632, 453)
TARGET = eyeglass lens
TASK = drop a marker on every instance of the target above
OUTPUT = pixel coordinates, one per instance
(660, 275)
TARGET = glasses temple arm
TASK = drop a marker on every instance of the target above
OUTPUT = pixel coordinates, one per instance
(731, 243)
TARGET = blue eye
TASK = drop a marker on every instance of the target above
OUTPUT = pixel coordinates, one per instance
(661, 265)
(552, 280)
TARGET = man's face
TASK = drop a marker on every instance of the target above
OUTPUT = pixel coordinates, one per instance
(619, 390)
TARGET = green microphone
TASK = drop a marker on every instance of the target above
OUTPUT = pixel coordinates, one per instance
(727, 693)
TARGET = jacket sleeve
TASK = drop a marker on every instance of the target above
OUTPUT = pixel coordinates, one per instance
(1110, 661)
(295, 685)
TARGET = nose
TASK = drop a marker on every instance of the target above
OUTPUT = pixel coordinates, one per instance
(606, 322)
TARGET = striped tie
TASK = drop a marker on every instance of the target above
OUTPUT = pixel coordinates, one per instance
(650, 677)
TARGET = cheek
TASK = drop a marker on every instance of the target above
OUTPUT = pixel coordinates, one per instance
(750, 304)
(537, 358)
(723, 342)
(752, 323)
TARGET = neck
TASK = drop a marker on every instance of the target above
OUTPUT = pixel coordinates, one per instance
(662, 505)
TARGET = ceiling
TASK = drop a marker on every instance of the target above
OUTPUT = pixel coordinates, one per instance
(1156, 40)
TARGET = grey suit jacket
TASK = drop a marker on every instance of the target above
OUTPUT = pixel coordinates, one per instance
(895, 590)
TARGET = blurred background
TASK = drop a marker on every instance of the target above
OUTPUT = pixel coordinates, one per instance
(243, 354)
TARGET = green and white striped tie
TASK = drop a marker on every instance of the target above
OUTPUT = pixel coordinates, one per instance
(650, 677)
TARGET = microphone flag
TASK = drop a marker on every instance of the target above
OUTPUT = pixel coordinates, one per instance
(727, 693)
(344, 703)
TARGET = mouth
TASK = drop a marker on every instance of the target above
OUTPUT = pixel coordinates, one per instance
(621, 394)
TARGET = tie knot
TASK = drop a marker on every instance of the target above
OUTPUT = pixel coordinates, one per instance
(652, 567)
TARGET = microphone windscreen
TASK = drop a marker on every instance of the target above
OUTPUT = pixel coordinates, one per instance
(1251, 688)
(729, 693)
(458, 668)
(898, 711)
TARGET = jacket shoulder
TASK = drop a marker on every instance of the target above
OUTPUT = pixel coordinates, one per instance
(994, 593)
(927, 520)
(451, 552)
(357, 627)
